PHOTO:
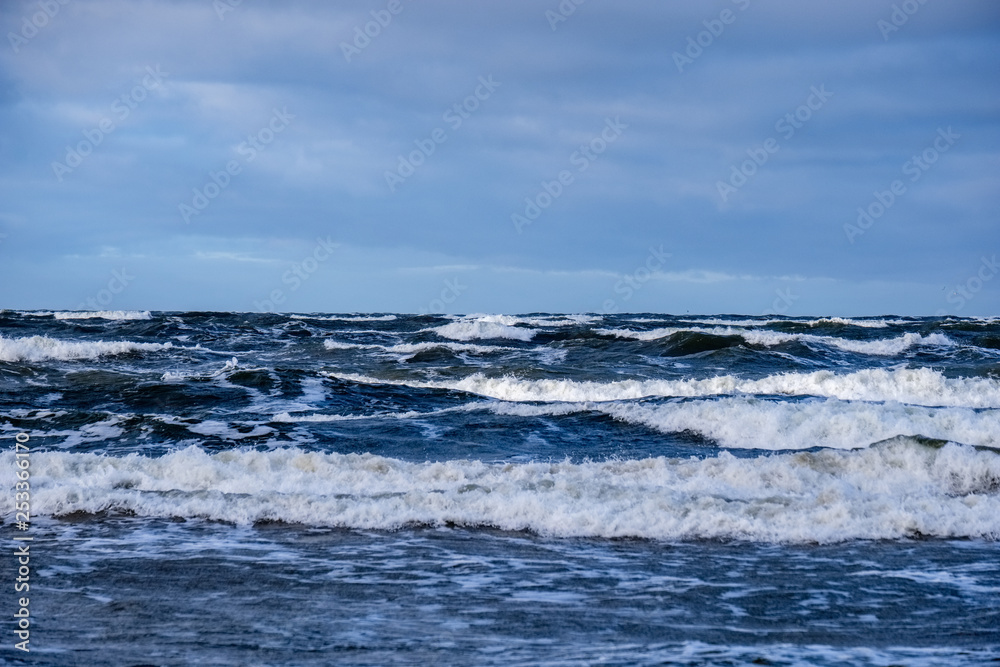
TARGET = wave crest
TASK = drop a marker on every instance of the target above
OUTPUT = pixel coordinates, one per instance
(43, 348)
(897, 489)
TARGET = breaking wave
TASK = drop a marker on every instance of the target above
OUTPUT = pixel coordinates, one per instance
(895, 489)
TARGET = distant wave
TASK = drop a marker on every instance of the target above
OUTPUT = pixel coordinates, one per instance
(103, 315)
(916, 386)
(766, 338)
(896, 489)
(465, 331)
(747, 422)
(410, 349)
(346, 318)
(870, 323)
(514, 327)
(751, 423)
(42, 348)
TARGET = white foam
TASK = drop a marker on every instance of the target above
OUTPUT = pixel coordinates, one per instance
(287, 418)
(88, 433)
(917, 386)
(231, 366)
(894, 490)
(875, 323)
(964, 583)
(752, 423)
(485, 328)
(414, 348)
(406, 350)
(716, 321)
(767, 338)
(550, 356)
(331, 344)
(552, 321)
(854, 322)
(546, 321)
(345, 318)
(219, 429)
(104, 315)
(42, 348)
(879, 347)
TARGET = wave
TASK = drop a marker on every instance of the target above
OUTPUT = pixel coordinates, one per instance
(916, 386)
(765, 338)
(410, 349)
(715, 321)
(753, 423)
(479, 329)
(743, 422)
(545, 320)
(104, 315)
(896, 489)
(515, 327)
(288, 418)
(346, 318)
(854, 322)
(340, 345)
(42, 348)
(877, 323)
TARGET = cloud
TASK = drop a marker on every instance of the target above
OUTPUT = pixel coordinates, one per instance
(354, 121)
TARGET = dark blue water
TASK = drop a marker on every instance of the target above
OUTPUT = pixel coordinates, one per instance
(233, 488)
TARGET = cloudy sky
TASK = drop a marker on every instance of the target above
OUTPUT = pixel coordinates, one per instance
(740, 156)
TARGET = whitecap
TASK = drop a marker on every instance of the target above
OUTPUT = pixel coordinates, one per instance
(103, 315)
(917, 386)
(897, 489)
(42, 348)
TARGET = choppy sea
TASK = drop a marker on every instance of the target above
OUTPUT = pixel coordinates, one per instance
(379, 489)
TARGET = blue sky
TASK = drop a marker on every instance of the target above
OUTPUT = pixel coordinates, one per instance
(700, 157)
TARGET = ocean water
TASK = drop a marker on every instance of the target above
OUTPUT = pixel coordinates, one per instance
(377, 489)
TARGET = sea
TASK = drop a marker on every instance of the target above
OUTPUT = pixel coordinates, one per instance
(223, 488)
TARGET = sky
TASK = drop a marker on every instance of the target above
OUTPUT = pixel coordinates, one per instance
(789, 157)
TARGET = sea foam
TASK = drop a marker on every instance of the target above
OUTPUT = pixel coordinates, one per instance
(42, 348)
(753, 423)
(483, 329)
(767, 338)
(103, 315)
(896, 489)
(917, 386)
